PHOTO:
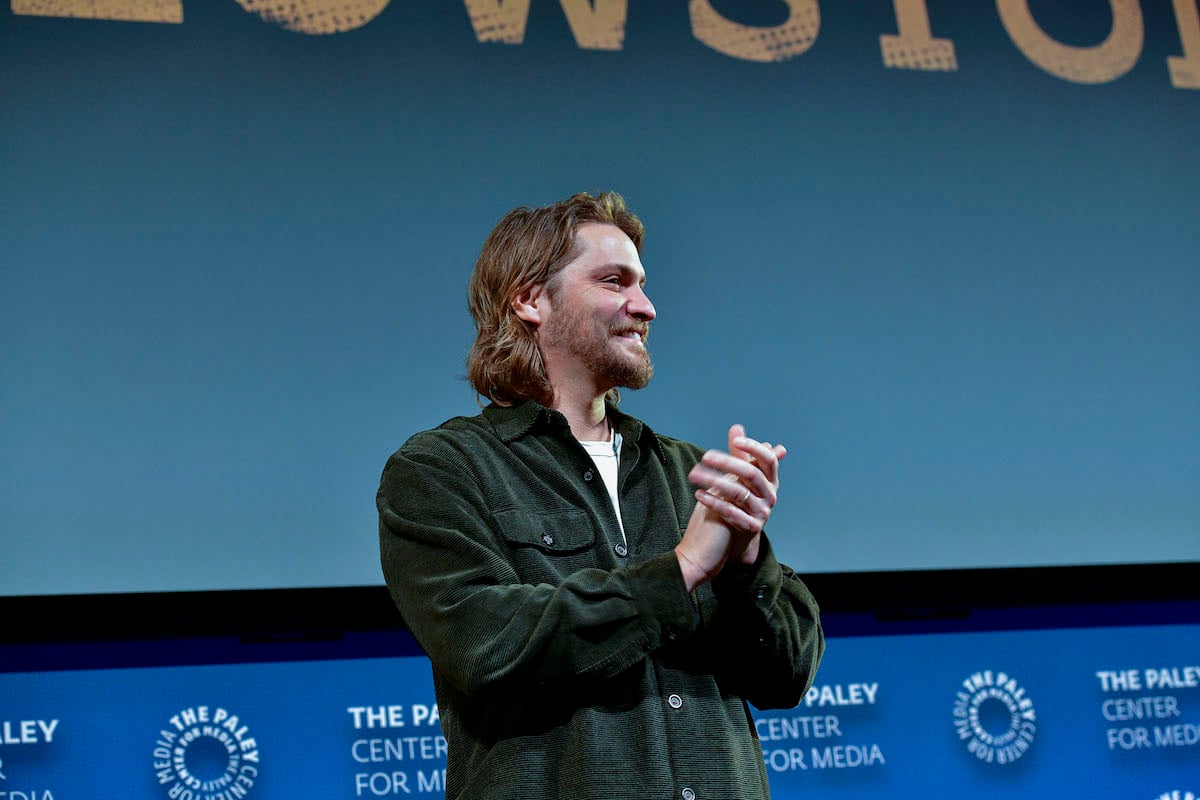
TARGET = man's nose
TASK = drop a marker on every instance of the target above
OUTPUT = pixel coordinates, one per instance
(640, 305)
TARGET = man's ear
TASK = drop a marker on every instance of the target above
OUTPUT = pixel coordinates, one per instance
(529, 304)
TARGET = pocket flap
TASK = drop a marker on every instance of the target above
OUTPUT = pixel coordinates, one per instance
(562, 531)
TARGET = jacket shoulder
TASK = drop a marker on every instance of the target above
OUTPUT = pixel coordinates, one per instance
(453, 439)
(679, 450)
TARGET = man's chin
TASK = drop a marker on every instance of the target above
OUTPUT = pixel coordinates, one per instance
(622, 369)
(641, 382)
(637, 379)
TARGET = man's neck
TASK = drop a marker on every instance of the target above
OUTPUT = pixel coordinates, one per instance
(585, 414)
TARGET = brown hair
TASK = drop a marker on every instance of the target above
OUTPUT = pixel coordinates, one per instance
(527, 248)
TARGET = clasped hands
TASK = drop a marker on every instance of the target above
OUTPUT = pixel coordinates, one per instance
(735, 493)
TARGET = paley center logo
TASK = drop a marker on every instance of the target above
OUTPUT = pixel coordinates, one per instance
(1176, 795)
(994, 717)
(206, 753)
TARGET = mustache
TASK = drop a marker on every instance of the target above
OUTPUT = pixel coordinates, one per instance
(641, 330)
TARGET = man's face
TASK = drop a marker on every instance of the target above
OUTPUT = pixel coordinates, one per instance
(597, 313)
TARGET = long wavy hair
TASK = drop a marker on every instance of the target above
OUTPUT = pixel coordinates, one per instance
(527, 248)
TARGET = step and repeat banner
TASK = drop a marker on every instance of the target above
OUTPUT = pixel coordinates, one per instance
(1095, 712)
(945, 251)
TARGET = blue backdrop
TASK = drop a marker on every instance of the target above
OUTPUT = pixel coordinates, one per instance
(234, 246)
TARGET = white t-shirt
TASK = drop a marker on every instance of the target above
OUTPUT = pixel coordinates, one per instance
(606, 457)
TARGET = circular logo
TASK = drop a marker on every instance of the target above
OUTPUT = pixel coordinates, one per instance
(994, 717)
(205, 753)
(1176, 795)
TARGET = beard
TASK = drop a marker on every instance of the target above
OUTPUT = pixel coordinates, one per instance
(597, 347)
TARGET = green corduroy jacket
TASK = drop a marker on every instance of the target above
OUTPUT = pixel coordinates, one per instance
(566, 666)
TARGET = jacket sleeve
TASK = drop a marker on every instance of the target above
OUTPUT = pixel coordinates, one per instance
(450, 575)
(769, 631)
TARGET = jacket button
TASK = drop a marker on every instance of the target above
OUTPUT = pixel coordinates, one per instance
(675, 701)
(760, 593)
(687, 793)
(587, 476)
(621, 550)
(547, 538)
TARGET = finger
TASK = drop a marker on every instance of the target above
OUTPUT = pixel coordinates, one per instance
(732, 479)
(729, 487)
(735, 431)
(766, 456)
(749, 473)
(761, 454)
(704, 477)
(753, 449)
(732, 515)
(715, 481)
(776, 450)
(752, 489)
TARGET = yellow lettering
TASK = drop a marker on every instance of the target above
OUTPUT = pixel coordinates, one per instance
(595, 24)
(499, 20)
(316, 16)
(915, 47)
(776, 43)
(1185, 70)
(116, 10)
(1102, 63)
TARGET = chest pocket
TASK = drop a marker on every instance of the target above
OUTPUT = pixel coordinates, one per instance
(559, 532)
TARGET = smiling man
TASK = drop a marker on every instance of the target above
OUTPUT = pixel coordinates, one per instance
(599, 601)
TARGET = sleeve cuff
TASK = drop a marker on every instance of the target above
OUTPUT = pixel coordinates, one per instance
(667, 610)
(759, 583)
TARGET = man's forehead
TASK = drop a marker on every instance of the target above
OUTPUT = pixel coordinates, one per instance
(605, 244)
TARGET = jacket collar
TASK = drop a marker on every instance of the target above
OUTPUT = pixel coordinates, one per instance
(512, 422)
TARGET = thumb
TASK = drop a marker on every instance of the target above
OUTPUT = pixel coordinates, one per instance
(736, 430)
